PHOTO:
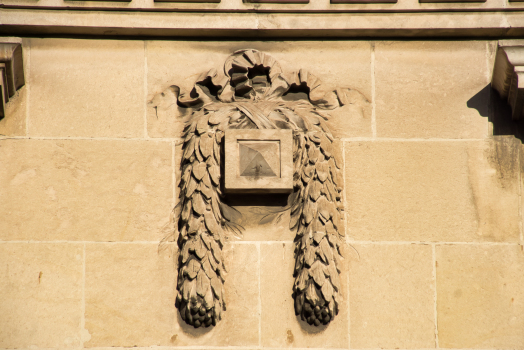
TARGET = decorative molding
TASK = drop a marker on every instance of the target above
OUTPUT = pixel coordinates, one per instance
(252, 92)
(11, 72)
(508, 75)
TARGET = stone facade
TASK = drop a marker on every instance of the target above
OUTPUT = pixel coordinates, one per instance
(90, 166)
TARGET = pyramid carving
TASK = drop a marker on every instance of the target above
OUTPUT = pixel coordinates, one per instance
(253, 163)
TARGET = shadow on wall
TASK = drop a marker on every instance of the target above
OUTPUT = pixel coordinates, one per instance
(498, 112)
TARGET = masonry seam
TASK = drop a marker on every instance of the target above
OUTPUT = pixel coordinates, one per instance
(83, 306)
(279, 242)
(434, 273)
(145, 90)
(373, 104)
(28, 87)
(259, 297)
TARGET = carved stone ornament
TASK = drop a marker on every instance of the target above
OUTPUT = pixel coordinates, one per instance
(252, 94)
(11, 72)
(508, 75)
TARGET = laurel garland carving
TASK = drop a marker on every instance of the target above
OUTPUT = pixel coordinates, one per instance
(248, 94)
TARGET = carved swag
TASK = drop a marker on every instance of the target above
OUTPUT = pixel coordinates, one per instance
(250, 93)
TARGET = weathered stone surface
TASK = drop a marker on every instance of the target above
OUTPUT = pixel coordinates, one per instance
(338, 64)
(427, 89)
(87, 88)
(433, 191)
(280, 327)
(391, 297)
(40, 294)
(479, 296)
(85, 190)
(240, 322)
(129, 294)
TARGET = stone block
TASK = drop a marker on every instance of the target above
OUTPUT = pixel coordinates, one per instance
(85, 190)
(40, 295)
(433, 191)
(240, 322)
(391, 297)
(87, 88)
(431, 89)
(280, 327)
(129, 294)
(480, 302)
(338, 64)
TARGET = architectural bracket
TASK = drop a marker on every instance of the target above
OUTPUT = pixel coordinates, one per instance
(508, 75)
(11, 72)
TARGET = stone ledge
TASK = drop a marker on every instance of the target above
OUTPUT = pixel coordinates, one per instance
(11, 72)
(508, 75)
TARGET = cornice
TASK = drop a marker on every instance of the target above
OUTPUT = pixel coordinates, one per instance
(11, 72)
(508, 75)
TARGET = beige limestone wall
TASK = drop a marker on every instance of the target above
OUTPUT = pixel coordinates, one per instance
(434, 246)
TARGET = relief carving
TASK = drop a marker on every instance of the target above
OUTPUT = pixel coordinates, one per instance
(253, 93)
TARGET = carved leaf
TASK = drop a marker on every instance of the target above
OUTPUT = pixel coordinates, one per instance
(198, 203)
(197, 153)
(192, 268)
(194, 224)
(187, 289)
(206, 191)
(206, 266)
(326, 251)
(186, 210)
(191, 187)
(206, 239)
(187, 173)
(189, 148)
(313, 154)
(314, 190)
(311, 294)
(322, 171)
(214, 173)
(208, 299)
(215, 249)
(310, 255)
(202, 284)
(200, 249)
(317, 236)
(327, 291)
(185, 253)
(206, 145)
(310, 210)
(217, 286)
(211, 223)
(302, 279)
(202, 125)
(199, 170)
(317, 272)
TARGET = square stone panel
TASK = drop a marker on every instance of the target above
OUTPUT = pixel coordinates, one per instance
(280, 327)
(344, 64)
(40, 295)
(392, 297)
(258, 161)
(480, 299)
(85, 189)
(87, 88)
(429, 89)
